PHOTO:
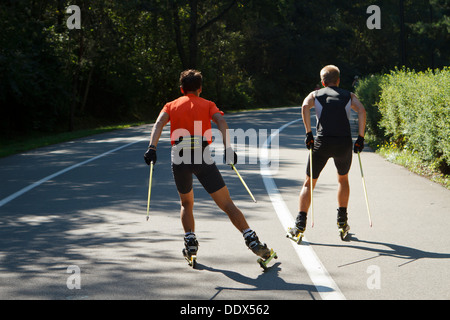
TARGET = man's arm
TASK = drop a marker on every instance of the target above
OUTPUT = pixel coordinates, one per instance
(150, 154)
(223, 128)
(230, 157)
(158, 127)
(359, 108)
(308, 103)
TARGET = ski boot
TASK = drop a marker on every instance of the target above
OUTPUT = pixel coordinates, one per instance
(343, 226)
(296, 233)
(190, 250)
(260, 249)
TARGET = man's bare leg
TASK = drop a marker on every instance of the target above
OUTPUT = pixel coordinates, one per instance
(187, 211)
(343, 193)
(224, 202)
(305, 194)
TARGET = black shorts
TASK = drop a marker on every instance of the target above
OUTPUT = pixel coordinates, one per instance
(338, 148)
(203, 167)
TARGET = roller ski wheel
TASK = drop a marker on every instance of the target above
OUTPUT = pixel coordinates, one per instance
(264, 262)
(295, 235)
(191, 259)
(343, 232)
(259, 248)
(342, 223)
(190, 249)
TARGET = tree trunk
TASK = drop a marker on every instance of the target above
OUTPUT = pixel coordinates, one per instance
(193, 32)
(194, 29)
(177, 30)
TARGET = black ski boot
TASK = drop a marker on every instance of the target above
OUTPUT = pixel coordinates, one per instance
(190, 249)
(253, 243)
(260, 249)
(296, 233)
(342, 223)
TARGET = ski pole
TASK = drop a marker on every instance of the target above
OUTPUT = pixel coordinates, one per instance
(311, 180)
(243, 182)
(149, 189)
(365, 190)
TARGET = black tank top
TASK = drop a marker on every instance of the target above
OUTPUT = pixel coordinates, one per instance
(333, 106)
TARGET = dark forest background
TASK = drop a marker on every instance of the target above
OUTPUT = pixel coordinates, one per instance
(124, 62)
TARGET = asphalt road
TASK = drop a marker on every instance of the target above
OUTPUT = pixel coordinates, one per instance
(72, 224)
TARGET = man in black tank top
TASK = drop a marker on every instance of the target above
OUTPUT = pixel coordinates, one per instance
(334, 140)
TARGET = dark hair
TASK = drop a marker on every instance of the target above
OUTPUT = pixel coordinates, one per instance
(191, 80)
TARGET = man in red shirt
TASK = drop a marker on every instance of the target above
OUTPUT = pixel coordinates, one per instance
(190, 134)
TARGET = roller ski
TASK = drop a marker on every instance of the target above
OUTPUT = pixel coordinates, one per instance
(343, 232)
(190, 250)
(260, 249)
(264, 262)
(296, 233)
(343, 226)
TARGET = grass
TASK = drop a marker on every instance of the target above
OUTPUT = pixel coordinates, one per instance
(411, 161)
(36, 140)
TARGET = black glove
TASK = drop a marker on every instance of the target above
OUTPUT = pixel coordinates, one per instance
(359, 144)
(150, 155)
(230, 157)
(309, 141)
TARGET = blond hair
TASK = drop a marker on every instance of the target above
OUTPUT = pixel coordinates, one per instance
(330, 74)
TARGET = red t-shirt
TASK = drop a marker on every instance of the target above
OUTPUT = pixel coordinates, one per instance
(190, 115)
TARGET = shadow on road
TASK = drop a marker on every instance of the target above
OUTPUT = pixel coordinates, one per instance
(392, 250)
(266, 281)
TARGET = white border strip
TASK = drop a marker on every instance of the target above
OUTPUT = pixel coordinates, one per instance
(38, 183)
(322, 280)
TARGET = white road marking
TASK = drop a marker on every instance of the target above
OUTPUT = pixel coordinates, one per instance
(38, 183)
(322, 280)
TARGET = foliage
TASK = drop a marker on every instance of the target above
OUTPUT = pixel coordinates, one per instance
(124, 63)
(415, 108)
(410, 111)
(368, 91)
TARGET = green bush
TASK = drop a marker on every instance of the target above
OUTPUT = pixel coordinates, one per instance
(415, 113)
(368, 92)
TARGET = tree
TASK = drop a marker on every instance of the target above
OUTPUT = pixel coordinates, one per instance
(190, 13)
(124, 63)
